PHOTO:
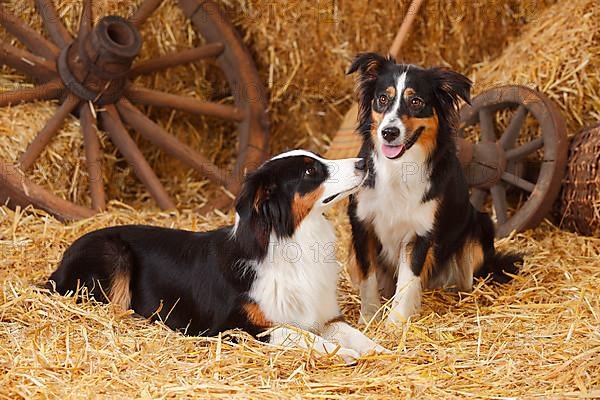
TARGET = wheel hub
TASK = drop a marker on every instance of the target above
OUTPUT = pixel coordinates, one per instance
(95, 67)
(487, 163)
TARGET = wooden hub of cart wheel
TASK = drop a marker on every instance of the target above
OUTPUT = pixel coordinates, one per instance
(96, 69)
(521, 172)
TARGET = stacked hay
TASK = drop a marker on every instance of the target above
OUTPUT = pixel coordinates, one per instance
(302, 50)
(559, 55)
(534, 337)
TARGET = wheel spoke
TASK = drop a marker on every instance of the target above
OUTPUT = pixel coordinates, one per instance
(486, 122)
(499, 201)
(522, 151)
(144, 12)
(87, 18)
(133, 155)
(161, 138)
(21, 191)
(510, 135)
(149, 97)
(42, 139)
(478, 197)
(35, 42)
(24, 61)
(177, 58)
(518, 182)
(56, 30)
(47, 91)
(93, 159)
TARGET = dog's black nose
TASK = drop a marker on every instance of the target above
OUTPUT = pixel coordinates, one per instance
(360, 164)
(390, 134)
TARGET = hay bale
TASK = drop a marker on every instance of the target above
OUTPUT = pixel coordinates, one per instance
(580, 197)
(557, 54)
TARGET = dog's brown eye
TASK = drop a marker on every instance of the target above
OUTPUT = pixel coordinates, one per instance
(416, 102)
(383, 100)
(310, 171)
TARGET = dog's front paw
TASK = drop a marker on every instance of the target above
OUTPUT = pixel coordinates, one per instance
(381, 350)
(401, 311)
(350, 356)
(367, 312)
(397, 317)
(364, 346)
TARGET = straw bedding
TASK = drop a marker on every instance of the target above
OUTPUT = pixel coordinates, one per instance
(535, 337)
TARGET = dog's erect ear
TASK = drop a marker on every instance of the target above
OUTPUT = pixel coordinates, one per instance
(369, 66)
(451, 86)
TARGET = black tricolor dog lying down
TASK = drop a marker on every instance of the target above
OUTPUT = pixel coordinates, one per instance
(270, 269)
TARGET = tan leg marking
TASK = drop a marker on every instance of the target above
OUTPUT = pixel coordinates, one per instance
(469, 260)
(427, 267)
(256, 316)
(120, 292)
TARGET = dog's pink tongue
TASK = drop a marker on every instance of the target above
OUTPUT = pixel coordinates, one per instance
(391, 151)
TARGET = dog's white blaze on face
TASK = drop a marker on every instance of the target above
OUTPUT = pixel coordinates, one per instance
(344, 179)
(391, 117)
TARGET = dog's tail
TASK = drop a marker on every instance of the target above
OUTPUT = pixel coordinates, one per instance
(499, 265)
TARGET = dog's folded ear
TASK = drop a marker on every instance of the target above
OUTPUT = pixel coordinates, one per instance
(451, 86)
(368, 64)
(262, 209)
(253, 229)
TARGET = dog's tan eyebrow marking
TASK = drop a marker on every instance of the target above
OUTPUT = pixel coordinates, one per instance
(409, 92)
(391, 91)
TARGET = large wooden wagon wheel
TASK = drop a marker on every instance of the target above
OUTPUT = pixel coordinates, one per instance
(522, 175)
(95, 70)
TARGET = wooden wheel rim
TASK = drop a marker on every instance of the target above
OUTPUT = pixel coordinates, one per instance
(554, 147)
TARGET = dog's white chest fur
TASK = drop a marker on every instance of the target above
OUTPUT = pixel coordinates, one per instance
(296, 284)
(395, 205)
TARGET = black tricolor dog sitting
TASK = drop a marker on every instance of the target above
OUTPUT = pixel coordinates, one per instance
(413, 225)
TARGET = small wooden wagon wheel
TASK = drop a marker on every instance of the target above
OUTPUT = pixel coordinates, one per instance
(521, 174)
(97, 68)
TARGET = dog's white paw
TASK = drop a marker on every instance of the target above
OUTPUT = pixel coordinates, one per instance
(349, 356)
(363, 345)
(367, 312)
(397, 317)
(401, 311)
(382, 350)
